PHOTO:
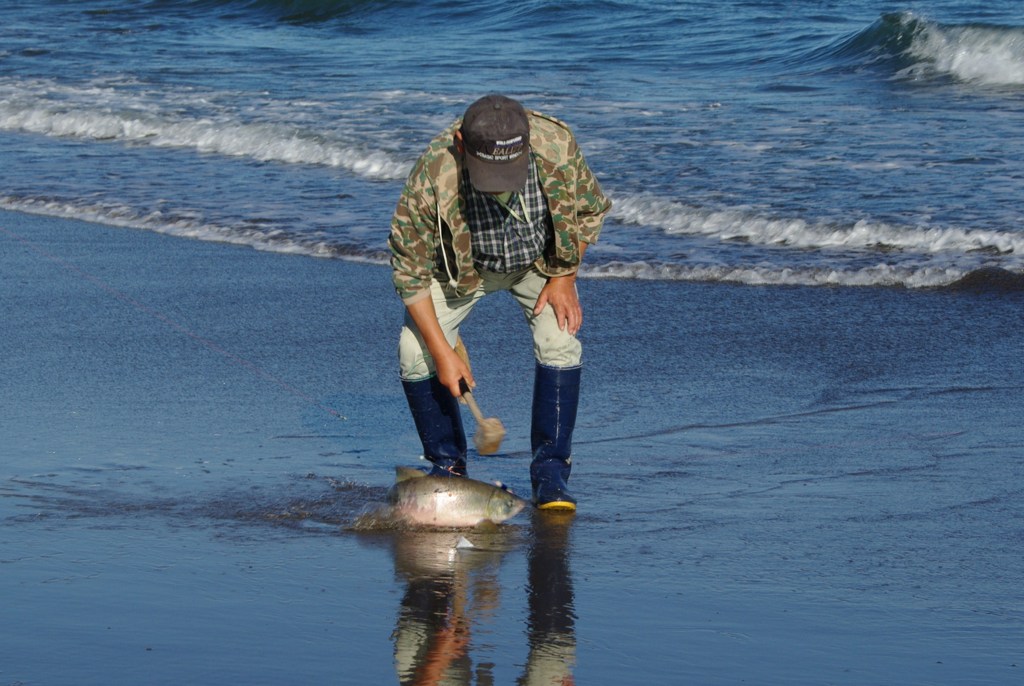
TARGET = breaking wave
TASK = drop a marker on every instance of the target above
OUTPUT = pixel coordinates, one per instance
(252, 233)
(108, 113)
(675, 218)
(877, 275)
(916, 48)
(256, 235)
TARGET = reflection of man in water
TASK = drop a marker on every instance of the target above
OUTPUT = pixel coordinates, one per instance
(433, 630)
(552, 619)
(432, 638)
(448, 589)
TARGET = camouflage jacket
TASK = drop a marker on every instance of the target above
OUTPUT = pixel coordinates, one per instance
(429, 234)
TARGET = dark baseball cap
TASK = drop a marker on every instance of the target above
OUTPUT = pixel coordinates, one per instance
(496, 136)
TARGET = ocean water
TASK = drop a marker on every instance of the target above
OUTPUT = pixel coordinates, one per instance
(815, 143)
(799, 446)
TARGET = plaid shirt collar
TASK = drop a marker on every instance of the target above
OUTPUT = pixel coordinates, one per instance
(506, 238)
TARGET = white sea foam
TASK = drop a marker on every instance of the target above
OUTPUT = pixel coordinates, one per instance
(185, 225)
(105, 113)
(877, 275)
(981, 54)
(675, 218)
(273, 239)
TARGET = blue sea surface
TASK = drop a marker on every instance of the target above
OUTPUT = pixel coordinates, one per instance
(817, 143)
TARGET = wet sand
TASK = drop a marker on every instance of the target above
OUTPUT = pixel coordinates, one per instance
(786, 485)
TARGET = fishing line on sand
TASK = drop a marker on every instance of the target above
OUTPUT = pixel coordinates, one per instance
(177, 326)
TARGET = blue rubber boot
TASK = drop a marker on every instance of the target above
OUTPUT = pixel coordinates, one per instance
(435, 411)
(556, 392)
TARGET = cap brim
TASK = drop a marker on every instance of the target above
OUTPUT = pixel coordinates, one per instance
(503, 177)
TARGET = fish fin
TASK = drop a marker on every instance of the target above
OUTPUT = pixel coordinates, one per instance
(406, 473)
(503, 487)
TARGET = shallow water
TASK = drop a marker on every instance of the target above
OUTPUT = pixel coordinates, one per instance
(777, 484)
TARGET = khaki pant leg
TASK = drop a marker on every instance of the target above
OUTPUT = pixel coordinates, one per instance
(552, 346)
(415, 361)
